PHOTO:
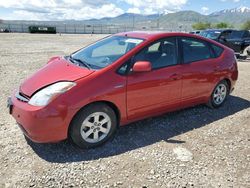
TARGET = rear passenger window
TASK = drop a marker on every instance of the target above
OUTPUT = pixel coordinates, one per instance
(195, 50)
(217, 50)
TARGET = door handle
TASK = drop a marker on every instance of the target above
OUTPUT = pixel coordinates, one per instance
(119, 86)
(175, 76)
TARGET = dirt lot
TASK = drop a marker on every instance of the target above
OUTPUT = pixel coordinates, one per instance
(195, 147)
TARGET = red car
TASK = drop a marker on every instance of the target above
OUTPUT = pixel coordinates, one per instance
(120, 79)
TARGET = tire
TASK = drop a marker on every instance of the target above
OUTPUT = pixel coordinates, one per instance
(93, 126)
(219, 94)
(243, 57)
(246, 51)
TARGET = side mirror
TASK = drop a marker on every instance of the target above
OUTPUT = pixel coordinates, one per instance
(142, 66)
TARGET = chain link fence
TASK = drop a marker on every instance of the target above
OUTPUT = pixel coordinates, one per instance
(78, 28)
(69, 28)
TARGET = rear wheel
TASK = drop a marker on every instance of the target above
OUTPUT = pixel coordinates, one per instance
(246, 51)
(219, 94)
(93, 126)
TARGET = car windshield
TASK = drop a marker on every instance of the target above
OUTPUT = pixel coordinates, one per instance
(105, 52)
(210, 34)
(236, 35)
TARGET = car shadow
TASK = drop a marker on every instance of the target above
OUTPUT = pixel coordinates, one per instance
(142, 133)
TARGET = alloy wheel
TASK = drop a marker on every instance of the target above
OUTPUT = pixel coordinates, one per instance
(96, 127)
(220, 94)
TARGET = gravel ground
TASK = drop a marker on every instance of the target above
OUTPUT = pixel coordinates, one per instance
(195, 147)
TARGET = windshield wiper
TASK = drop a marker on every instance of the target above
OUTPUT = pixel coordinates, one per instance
(80, 61)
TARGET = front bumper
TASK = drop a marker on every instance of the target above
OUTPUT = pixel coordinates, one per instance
(41, 124)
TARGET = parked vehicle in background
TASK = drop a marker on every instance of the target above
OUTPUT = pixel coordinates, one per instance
(5, 30)
(215, 34)
(120, 79)
(238, 40)
(42, 29)
(195, 32)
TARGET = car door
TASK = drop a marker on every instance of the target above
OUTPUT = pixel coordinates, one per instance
(198, 70)
(234, 40)
(228, 40)
(159, 90)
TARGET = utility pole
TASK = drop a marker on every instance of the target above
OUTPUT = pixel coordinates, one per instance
(133, 21)
(158, 20)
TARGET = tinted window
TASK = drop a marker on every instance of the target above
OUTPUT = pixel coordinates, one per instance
(123, 69)
(195, 50)
(155, 47)
(236, 34)
(217, 50)
(246, 34)
(226, 34)
(211, 34)
(160, 54)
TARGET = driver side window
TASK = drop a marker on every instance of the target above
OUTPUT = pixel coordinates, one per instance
(160, 54)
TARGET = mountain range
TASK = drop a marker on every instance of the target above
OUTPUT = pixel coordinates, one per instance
(178, 20)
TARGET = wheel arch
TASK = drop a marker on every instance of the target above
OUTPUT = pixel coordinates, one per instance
(108, 103)
(218, 81)
(228, 82)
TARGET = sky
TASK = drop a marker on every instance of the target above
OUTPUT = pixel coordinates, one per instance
(88, 9)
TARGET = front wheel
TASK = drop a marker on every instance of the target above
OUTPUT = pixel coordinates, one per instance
(93, 126)
(219, 94)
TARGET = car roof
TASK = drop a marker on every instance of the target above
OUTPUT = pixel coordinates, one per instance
(148, 35)
(219, 30)
(155, 35)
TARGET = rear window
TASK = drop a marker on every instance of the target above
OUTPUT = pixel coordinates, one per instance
(246, 34)
(217, 50)
(236, 34)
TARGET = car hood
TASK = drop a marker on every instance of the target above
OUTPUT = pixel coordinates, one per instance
(57, 69)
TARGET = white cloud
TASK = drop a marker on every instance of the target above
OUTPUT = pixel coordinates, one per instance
(107, 10)
(60, 9)
(149, 10)
(134, 10)
(155, 6)
(21, 4)
(204, 10)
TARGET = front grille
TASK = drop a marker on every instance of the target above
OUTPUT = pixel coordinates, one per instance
(22, 97)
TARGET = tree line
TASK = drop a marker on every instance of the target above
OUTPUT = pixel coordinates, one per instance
(221, 25)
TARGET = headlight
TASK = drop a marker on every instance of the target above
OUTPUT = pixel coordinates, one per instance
(46, 95)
